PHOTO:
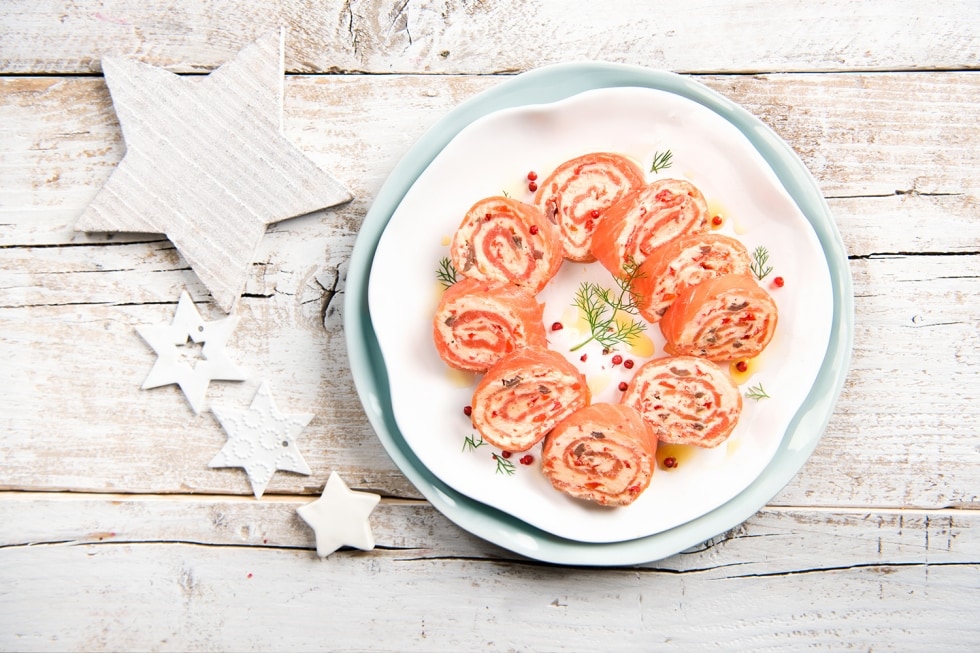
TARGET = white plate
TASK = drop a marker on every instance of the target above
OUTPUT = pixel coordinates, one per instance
(492, 155)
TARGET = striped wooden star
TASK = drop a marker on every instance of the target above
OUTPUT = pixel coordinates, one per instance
(207, 164)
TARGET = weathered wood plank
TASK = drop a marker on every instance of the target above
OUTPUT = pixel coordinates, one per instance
(458, 36)
(910, 390)
(81, 367)
(915, 223)
(186, 598)
(898, 148)
(71, 301)
(872, 134)
(874, 545)
(775, 540)
(235, 575)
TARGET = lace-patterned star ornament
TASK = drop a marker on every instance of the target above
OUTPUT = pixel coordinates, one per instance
(207, 163)
(340, 517)
(170, 342)
(262, 440)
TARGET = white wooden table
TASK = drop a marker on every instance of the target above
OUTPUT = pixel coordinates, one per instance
(116, 535)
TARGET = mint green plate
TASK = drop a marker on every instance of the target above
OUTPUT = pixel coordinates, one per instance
(550, 84)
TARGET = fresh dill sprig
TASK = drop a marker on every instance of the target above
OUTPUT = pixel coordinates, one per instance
(661, 160)
(446, 272)
(504, 466)
(471, 444)
(600, 307)
(760, 256)
(757, 392)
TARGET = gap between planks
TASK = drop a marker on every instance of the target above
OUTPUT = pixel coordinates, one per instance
(298, 499)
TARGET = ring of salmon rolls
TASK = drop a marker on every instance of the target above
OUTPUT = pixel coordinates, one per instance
(524, 395)
(478, 322)
(501, 239)
(646, 219)
(577, 193)
(604, 453)
(724, 318)
(681, 263)
(686, 400)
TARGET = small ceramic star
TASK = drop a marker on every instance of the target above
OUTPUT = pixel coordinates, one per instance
(261, 440)
(207, 164)
(172, 367)
(340, 517)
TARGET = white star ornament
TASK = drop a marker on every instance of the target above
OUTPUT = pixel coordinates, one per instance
(261, 440)
(172, 367)
(340, 517)
(207, 164)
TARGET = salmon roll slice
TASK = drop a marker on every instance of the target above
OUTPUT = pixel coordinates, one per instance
(577, 193)
(524, 395)
(681, 263)
(646, 219)
(686, 400)
(501, 239)
(724, 318)
(479, 322)
(604, 453)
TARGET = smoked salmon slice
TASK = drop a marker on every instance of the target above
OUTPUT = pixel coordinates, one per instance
(478, 322)
(604, 453)
(524, 395)
(645, 219)
(681, 263)
(686, 400)
(577, 193)
(501, 239)
(723, 318)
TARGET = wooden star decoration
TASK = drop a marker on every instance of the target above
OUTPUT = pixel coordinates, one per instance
(172, 367)
(262, 440)
(207, 163)
(340, 517)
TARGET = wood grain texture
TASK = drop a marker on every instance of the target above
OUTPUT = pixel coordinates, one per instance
(480, 37)
(880, 579)
(908, 404)
(206, 163)
(190, 598)
(414, 530)
(911, 166)
(114, 534)
(67, 296)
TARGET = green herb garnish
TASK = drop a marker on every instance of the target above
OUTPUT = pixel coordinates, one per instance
(757, 392)
(661, 160)
(760, 256)
(600, 307)
(446, 272)
(504, 466)
(473, 442)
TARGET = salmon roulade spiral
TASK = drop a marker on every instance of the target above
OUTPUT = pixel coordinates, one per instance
(501, 239)
(681, 263)
(524, 395)
(604, 453)
(686, 400)
(577, 193)
(646, 219)
(724, 318)
(479, 322)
